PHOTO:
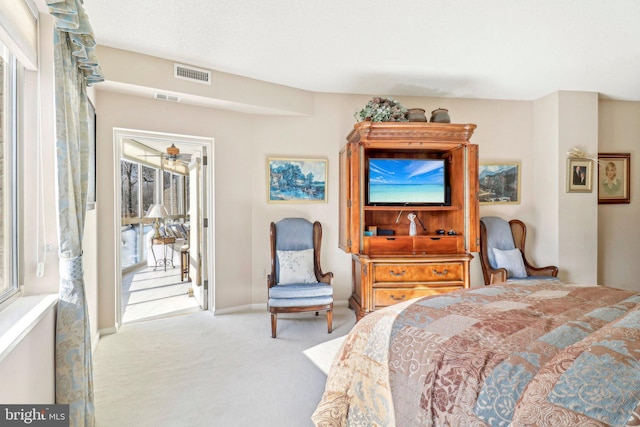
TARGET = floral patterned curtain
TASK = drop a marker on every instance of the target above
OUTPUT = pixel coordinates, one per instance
(76, 66)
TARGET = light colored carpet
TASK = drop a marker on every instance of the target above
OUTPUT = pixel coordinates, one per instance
(148, 294)
(203, 370)
(322, 355)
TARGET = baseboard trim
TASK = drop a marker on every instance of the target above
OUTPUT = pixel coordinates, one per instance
(106, 331)
(238, 308)
(262, 307)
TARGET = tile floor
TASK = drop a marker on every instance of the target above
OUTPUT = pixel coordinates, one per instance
(148, 294)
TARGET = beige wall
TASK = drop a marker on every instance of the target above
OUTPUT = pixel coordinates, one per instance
(28, 371)
(577, 212)
(618, 229)
(234, 135)
(536, 133)
(507, 131)
(242, 214)
(546, 187)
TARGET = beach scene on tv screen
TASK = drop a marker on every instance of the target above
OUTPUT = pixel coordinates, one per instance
(406, 181)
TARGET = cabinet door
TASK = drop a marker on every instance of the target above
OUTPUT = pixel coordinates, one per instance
(473, 204)
(344, 239)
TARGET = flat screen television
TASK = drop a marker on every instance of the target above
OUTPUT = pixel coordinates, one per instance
(407, 182)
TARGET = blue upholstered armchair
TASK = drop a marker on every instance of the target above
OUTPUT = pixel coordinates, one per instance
(502, 252)
(297, 283)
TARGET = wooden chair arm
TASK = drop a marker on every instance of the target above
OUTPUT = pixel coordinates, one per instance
(326, 278)
(270, 281)
(550, 270)
(498, 275)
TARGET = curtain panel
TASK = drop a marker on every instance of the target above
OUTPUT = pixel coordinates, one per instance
(76, 67)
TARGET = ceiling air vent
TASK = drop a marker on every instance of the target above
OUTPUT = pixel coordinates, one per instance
(166, 97)
(192, 74)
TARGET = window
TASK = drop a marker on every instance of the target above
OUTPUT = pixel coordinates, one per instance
(130, 189)
(173, 193)
(140, 189)
(9, 95)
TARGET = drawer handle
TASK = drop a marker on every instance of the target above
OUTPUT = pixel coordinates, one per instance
(393, 273)
(435, 238)
(438, 273)
(398, 298)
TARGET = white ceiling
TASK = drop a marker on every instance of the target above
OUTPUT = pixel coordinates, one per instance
(495, 49)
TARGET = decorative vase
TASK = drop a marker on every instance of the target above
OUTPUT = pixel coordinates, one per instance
(412, 226)
(416, 115)
(440, 115)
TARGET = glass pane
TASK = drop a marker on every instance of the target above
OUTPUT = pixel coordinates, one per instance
(8, 167)
(130, 185)
(175, 200)
(148, 187)
(170, 186)
(131, 240)
(180, 193)
(4, 138)
(186, 195)
(145, 230)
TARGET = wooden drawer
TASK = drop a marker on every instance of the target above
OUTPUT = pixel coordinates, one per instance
(383, 297)
(428, 272)
(418, 245)
(438, 245)
(388, 245)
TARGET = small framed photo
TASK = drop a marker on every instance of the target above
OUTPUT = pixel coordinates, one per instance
(614, 178)
(579, 176)
(499, 183)
(294, 180)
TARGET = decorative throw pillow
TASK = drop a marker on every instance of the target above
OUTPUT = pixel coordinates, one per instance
(511, 260)
(296, 267)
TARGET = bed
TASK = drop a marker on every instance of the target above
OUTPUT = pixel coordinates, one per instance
(527, 353)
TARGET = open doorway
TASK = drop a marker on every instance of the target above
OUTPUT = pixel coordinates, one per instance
(165, 217)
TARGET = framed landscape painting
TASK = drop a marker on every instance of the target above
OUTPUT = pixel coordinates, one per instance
(499, 183)
(614, 178)
(296, 180)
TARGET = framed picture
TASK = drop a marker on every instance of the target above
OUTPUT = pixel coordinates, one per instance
(499, 183)
(614, 178)
(91, 179)
(579, 176)
(294, 180)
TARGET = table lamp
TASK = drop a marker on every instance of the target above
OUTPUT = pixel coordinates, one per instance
(157, 211)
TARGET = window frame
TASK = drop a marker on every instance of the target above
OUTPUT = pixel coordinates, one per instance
(13, 120)
(140, 221)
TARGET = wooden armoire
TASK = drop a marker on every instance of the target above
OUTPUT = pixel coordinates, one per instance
(392, 266)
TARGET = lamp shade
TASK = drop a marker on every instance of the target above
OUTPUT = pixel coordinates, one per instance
(157, 211)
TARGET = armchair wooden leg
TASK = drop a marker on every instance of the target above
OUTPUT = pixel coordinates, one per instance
(274, 321)
(330, 320)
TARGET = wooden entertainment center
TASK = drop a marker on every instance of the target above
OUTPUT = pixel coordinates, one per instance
(391, 266)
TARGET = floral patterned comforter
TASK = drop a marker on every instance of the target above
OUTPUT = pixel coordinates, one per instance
(530, 353)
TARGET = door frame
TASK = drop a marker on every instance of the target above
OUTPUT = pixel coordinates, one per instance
(208, 204)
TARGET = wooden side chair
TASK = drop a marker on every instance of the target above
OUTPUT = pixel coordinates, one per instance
(502, 254)
(296, 283)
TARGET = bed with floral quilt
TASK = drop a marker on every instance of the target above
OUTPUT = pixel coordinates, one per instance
(527, 353)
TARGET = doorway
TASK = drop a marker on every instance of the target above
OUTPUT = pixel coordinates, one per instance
(164, 214)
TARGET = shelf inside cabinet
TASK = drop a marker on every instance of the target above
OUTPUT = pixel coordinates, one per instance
(412, 208)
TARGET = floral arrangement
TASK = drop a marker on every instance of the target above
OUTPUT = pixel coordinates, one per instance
(577, 153)
(382, 110)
